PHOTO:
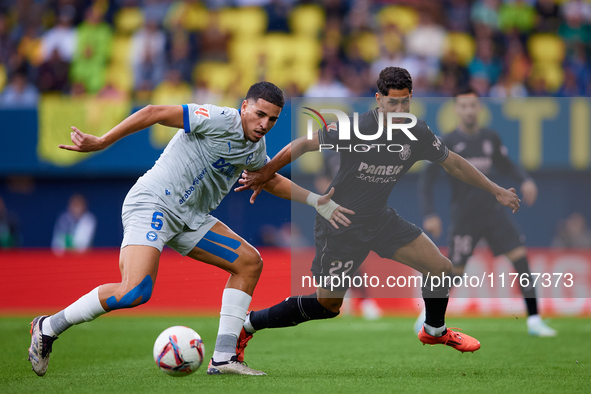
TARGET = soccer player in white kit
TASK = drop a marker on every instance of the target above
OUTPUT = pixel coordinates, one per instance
(170, 205)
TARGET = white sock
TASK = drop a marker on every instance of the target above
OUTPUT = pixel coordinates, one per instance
(533, 319)
(248, 325)
(434, 331)
(86, 308)
(235, 305)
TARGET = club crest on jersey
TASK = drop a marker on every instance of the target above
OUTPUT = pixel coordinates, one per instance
(405, 152)
(203, 112)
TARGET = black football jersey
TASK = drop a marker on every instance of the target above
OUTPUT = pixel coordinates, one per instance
(369, 169)
(485, 151)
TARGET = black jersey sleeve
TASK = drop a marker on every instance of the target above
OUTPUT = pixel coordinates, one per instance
(427, 180)
(432, 148)
(329, 136)
(503, 164)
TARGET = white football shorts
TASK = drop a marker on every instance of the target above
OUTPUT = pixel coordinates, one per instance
(147, 221)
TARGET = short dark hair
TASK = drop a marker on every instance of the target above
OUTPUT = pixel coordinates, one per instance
(266, 91)
(397, 78)
(466, 90)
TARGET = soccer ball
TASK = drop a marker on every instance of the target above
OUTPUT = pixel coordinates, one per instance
(178, 351)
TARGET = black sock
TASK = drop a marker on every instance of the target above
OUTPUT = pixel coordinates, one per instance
(436, 300)
(291, 312)
(529, 292)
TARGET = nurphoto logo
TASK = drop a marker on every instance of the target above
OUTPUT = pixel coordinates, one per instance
(344, 130)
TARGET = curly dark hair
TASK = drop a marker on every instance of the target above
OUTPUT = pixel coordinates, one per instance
(394, 78)
(266, 91)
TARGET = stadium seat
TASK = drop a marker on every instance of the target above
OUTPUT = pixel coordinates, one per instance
(191, 15)
(546, 47)
(405, 18)
(552, 74)
(306, 50)
(244, 21)
(369, 46)
(462, 45)
(307, 20)
(2, 77)
(128, 20)
(121, 50)
(219, 75)
(121, 76)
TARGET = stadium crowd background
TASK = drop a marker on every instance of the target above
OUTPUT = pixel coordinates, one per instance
(90, 63)
(163, 51)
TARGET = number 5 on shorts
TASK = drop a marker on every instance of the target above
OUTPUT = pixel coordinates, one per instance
(156, 221)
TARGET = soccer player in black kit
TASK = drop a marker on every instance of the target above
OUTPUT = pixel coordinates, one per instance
(363, 183)
(474, 213)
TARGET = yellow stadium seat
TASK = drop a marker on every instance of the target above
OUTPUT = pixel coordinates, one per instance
(244, 22)
(369, 46)
(128, 20)
(546, 47)
(278, 48)
(2, 77)
(121, 76)
(218, 75)
(308, 20)
(306, 50)
(192, 16)
(121, 49)
(302, 76)
(551, 73)
(405, 18)
(244, 51)
(462, 45)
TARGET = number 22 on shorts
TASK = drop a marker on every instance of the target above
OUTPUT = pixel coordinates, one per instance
(156, 221)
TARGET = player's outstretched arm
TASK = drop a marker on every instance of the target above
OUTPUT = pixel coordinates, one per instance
(167, 115)
(255, 180)
(460, 168)
(330, 210)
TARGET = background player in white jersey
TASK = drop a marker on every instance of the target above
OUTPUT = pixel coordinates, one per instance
(375, 226)
(170, 205)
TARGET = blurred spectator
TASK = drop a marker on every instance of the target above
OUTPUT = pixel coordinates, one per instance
(575, 29)
(148, 56)
(517, 16)
(506, 87)
(327, 85)
(278, 14)
(485, 64)
(288, 235)
(427, 40)
(6, 43)
(486, 13)
(155, 10)
(458, 15)
(93, 52)
(548, 15)
(573, 233)
(9, 232)
(61, 37)
(180, 54)
(53, 74)
(74, 229)
(214, 42)
(19, 92)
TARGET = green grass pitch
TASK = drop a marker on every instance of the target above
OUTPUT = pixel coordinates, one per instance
(343, 355)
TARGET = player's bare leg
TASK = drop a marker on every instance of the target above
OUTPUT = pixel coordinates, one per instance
(138, 265)
(424, 256)
(225, 249)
